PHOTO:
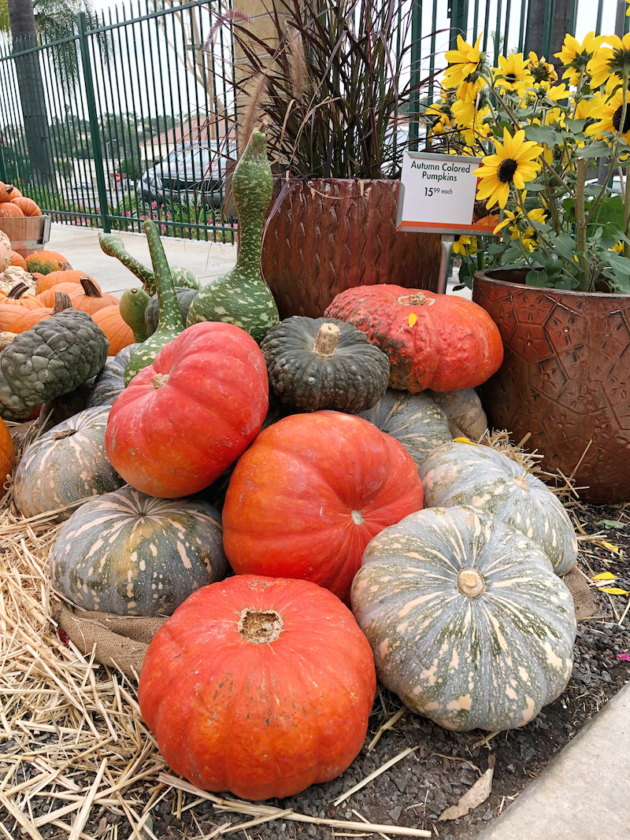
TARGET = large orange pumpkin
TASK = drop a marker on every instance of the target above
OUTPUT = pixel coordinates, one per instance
(7, 454)
(183, 420)
(27, 319)
(119, 334)
(10, 210)
(442, 342)
(91, 299)
(311, 492)
(18, 260)
(260, 687)
(47, 281)
(27, 206)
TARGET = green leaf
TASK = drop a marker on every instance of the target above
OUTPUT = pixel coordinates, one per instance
(608, 214)
(537, 278)
(575, 126)
(621, 265)
(543, 134)
(596, 150)
(611, 523)
(533, 187)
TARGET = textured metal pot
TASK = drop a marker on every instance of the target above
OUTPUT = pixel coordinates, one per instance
(565, 378)
(328, 235)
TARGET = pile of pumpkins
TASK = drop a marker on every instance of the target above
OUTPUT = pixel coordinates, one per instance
(13, 205)
(322, 440)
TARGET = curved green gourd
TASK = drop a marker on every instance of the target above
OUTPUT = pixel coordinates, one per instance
(171, 323)
(241, 296)
(113, 246)
(133, 304)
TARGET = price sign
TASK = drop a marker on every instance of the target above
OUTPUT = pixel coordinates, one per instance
(437, 195)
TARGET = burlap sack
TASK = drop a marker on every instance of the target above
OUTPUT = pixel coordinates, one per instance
(117, 641)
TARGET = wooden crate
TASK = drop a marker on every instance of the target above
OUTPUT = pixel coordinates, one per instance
(28, 234)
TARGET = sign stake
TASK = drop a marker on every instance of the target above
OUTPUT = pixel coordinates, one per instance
(445, 258)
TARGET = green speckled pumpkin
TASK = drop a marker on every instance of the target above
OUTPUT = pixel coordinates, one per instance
(464, 474)
(65, 465)
(131, 554)
(468, 623)
(111, 380)
(413, 419)
(319, 363)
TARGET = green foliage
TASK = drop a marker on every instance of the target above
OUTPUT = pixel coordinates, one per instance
(131, 167)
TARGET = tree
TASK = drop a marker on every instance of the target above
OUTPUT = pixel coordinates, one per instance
(559, 26)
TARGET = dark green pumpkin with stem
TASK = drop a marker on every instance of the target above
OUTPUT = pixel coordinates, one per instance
(133, 304)
(171, 324)
(113, 246)
(241, 297)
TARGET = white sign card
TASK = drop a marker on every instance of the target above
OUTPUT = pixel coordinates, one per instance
(437, 195)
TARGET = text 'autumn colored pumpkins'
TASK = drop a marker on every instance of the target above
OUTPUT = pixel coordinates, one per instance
(311, 492)
(258, 686)
(442, 342)
(184, 419)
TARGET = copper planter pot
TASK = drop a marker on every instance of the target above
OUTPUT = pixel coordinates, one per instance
(565, 378)
(329, 234)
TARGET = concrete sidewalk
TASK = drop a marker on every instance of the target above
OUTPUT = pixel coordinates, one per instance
(584, 793)
(80, 246)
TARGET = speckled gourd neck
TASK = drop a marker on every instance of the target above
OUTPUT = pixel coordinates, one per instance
(113, 246)
(133, 304)
(252, 186)
(170, 316)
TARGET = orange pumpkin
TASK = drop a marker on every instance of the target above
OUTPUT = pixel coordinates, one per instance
(10, 210)
(119, 334)
(8, 191)
(7, 453)
(47, 281)
(18, 260)
(28, 319)
(92, 298)
(18, 297)
(51, 255)
(47, 298)
(27, 206)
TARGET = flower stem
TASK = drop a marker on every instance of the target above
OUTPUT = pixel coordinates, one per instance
(580, 217)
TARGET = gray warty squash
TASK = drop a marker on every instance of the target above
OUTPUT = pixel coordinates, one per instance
(130, 554)
(468, 623)
(461, 474)
(413, 419)
(466, 417)
(322, 363)
(65, 465)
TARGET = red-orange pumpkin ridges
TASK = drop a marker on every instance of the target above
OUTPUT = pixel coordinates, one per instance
(258, 686)
(442, 342)
(183, 420)
(311, 492)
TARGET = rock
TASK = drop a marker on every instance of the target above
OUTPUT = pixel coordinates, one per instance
(395, 813)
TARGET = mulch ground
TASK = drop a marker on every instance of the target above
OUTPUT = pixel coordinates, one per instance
(54, 739)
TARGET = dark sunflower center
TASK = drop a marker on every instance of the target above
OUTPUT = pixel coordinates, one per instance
(510, 77)
(506, 170)
(616, 120)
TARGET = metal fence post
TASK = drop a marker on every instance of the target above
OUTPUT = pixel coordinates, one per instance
(458, 13)
(94, 127)
(416, 57)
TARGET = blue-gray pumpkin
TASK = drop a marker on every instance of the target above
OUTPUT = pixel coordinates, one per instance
(131, 554)
(468, 622)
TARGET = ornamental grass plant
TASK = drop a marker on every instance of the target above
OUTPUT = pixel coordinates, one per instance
(554, 148)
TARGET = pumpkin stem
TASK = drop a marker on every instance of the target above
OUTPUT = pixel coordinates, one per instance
(17, 291)
(521, 482)
(260, 628)
(327, 340)
(413, 300)
(62, 301)
(470, 583)
(159, 379)
(89, 287)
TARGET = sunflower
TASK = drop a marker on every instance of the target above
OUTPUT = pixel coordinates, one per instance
(441, 118)
(611, 59)
(541, 70)
(464, 245)
(576, 56)
(463, 62)
(513, 163)
(529, 235)
(477, 129)
(465, 106)
(608, 110)
(513, 73)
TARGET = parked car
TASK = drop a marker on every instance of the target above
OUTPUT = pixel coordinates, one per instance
(189, 173)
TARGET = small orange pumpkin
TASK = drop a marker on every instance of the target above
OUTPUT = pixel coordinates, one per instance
(28, 319)
(10, 210)
(7, 192)
(18, 260)
(47, 298)
(47, 281)
(27, 206)
(119, 334)
(18, 297)
(92, 298)
(7, 453)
